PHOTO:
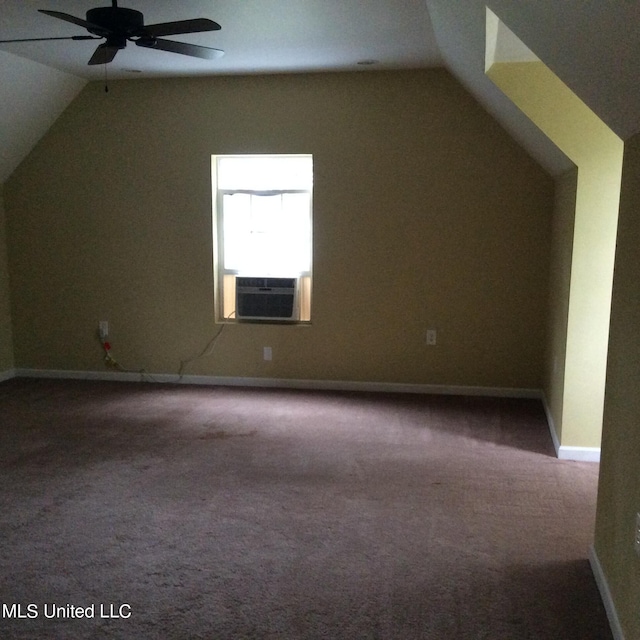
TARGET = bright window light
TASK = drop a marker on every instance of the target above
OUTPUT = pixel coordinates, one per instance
(263, 219)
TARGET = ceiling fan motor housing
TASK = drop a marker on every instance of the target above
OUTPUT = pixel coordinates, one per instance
(115, 20)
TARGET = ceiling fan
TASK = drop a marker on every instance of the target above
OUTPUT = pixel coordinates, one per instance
(117, 25)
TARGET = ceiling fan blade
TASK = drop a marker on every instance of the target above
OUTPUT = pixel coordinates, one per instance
(59, 38)
(69, 18)
(196, 25)
(105, 53)
(207, 53)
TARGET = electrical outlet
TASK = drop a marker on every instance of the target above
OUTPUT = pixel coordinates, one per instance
(267, 353)
(637, 540)
(103, 329)
(431, 337)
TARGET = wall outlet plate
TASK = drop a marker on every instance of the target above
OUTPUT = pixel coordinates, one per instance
(432, 337)
(637, 539)
(267, 353)
(103, 329)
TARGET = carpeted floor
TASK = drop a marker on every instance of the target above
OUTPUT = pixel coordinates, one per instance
(221, 513)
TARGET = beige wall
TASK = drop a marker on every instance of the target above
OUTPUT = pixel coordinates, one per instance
(559, 288)
(426, 214)
(6, 339)
(619, 489)
(597, 152)
(605, 195)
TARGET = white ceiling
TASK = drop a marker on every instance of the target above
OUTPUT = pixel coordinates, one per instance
(258, 36)
(594, 47)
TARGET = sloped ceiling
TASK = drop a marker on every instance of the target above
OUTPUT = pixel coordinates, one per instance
(460, 32)
(32, 96)
(592, 46)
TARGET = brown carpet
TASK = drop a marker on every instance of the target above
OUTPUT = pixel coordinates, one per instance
(242, 513)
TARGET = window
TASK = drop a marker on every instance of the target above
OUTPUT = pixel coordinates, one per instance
(263, 237)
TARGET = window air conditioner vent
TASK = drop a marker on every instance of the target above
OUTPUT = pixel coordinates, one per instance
(266, 298)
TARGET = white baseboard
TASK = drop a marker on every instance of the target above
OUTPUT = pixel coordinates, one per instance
(551, 423)
(579, 454)
(605, 594)
(63, 374)
(7, 375)
(283, 383)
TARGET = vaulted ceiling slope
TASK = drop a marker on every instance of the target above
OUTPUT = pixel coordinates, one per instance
(594, 47)
(32, 96)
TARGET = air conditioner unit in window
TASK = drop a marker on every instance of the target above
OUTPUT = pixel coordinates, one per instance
(266, 298)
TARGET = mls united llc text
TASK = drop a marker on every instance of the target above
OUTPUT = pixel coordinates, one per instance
(67, 611)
